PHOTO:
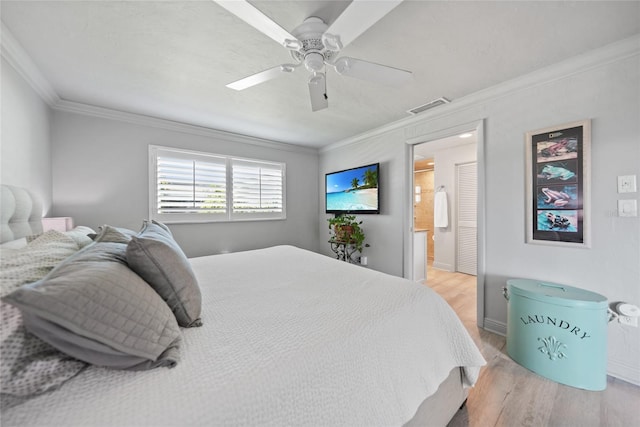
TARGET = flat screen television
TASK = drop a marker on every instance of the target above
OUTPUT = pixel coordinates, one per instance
(353, 191)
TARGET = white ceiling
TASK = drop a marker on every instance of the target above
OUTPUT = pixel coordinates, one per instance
(172, 59)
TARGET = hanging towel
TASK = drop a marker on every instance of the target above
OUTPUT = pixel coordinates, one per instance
(440, 210)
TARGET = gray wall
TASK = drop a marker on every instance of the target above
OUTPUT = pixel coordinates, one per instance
(607, 92)
(384, 231)
(100, 176)
(25, 137)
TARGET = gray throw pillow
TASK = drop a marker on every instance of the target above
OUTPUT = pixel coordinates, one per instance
(94, 308)
(159, 260)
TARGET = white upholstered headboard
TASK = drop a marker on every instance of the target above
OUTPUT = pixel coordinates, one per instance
(20, 213)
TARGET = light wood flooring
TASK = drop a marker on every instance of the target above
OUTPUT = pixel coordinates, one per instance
(509, 395)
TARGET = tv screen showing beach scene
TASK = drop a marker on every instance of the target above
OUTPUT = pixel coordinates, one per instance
(353, 190)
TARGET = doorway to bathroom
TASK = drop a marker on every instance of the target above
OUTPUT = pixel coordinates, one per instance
(455, 157)
(444, 205)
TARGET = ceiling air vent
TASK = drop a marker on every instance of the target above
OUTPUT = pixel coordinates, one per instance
(429, 105)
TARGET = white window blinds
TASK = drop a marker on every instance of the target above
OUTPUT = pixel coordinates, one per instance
(257, 188)
(187, 186)
(191, 186)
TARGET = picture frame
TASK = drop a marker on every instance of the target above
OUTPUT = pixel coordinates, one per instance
(558, 162)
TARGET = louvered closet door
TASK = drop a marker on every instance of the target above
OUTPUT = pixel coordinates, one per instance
(467, 196)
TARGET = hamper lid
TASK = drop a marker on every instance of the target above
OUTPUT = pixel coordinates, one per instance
(555, 293)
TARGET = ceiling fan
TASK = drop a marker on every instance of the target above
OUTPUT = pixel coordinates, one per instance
(316, 45)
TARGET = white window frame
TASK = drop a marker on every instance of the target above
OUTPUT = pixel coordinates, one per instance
(229, 215)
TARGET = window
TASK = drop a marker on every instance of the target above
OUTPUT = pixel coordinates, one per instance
(189, 186)
(257, 188)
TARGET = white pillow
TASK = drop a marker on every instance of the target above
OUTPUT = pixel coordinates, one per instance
(81, 235)
(84, 229)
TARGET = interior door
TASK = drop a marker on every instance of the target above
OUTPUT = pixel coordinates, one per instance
(466, 214)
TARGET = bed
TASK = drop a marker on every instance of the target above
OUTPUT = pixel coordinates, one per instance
(287, 337)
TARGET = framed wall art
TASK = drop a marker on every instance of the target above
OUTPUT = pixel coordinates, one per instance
(558, 184)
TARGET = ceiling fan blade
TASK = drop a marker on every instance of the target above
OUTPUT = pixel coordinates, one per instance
(365, 70)
(258, 20)
(318, 92)
(355, 20)
(262, 76)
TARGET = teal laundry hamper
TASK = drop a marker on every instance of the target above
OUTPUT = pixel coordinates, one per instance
(558, 332)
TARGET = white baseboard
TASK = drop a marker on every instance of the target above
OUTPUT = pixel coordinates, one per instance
(495, 326)
(443, 266)
(616, 369)
(624, 372)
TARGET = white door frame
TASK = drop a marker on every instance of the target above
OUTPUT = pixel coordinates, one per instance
(478, 126)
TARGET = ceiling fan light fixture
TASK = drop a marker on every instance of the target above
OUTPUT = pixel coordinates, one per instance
(314, 62)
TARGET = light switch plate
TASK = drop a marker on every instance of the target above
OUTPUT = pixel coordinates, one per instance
(628, 207)
(627, 184)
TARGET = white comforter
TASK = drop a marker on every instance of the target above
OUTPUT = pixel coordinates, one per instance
(290, 337)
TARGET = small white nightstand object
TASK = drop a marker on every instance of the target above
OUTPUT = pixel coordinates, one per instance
(62, 223)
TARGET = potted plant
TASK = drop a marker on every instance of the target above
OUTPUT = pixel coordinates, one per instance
(346, 229)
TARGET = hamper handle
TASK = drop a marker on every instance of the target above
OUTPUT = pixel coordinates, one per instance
(551, 285)
(505, 293)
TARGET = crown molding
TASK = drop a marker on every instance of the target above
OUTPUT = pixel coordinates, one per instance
(614, 52)
(142, 120)
(18, 58)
